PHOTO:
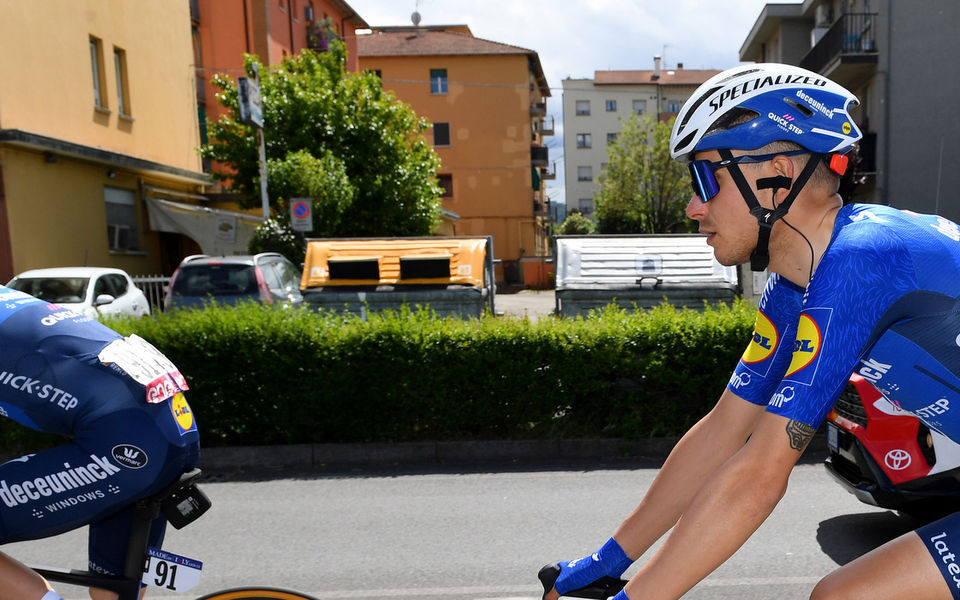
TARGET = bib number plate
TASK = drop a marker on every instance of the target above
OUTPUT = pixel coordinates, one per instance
(170, 571)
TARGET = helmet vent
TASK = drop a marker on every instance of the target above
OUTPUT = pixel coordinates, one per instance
(693, 107)
(804, 110)
(689, 138)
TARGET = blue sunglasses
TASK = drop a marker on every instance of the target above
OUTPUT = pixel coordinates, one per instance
(704, 180)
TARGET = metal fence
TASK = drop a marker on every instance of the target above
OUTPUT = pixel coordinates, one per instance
(154, 287)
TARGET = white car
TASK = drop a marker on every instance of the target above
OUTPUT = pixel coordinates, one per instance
(92, 291)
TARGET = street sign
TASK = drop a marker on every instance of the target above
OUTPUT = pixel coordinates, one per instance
(251, 107)
(301, 214)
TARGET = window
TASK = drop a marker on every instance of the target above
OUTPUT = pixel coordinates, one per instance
(586, 206)
(112, 284)
(121, 219)
(446, 184)
(611, 138)
(639, 106)
(123, 89)
(611, 105)
(99, 77)
(441, 134)
(585, 173)
(438, 81)
(584, 141)
(583, 107)
(673, 106)
(376, 72)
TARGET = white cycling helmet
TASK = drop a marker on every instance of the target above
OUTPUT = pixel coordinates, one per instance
(790, 103)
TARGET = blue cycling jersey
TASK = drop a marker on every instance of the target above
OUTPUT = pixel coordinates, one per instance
(884, 303)
(120, 401)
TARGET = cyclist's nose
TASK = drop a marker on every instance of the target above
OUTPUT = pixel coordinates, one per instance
(696, 208)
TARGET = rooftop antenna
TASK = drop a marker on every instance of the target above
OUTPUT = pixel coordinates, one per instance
(415, 17)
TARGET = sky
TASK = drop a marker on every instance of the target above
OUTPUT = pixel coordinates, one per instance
(574, 38)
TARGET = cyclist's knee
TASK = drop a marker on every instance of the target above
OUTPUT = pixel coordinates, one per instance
(830, 588)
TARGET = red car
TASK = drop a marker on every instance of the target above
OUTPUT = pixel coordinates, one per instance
(888, 458)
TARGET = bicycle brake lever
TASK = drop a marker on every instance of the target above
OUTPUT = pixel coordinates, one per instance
(601, 589)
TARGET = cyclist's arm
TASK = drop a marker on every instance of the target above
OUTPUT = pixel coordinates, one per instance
(725, 511)
(696, 457)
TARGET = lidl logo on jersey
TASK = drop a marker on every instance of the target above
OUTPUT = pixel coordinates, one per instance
(182, 413)
(811, 333)
(764, 342)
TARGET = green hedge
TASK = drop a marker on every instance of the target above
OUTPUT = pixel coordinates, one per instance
(262, 376)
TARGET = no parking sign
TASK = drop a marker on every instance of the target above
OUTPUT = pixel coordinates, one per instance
(301, 214)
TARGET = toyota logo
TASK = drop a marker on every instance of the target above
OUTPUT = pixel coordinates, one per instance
(897, 460)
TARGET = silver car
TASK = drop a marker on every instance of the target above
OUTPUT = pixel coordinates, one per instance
(267, 278)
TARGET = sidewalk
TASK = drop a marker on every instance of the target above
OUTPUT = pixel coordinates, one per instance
(515, 302)
(320, 456)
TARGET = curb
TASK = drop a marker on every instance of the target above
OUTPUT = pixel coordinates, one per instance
(440, 453)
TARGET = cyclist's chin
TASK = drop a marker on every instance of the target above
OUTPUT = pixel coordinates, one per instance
(727, 256)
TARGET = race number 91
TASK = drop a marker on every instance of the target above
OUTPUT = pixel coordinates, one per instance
(170, 571)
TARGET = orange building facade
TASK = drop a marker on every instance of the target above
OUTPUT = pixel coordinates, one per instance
(486, 103)
(225, 30)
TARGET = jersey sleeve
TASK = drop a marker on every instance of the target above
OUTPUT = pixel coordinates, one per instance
(857, 280)
(770, 349)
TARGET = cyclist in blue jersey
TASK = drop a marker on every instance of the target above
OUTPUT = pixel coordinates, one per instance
(855, 288)
(131, 431)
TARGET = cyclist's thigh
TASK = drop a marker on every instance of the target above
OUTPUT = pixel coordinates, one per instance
(115, 460)
(918, 564)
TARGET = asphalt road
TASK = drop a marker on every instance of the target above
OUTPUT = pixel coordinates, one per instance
(476, 533)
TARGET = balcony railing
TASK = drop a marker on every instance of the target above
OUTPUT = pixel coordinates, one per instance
(851, 35)
(319, 36)
(541, 207)
(549, 172)
(538, 109)
(546, 125)
(539, 156)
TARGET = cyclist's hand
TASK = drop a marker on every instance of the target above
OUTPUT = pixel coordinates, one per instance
(606, 564)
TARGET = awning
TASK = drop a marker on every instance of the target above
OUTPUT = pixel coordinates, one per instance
(218, 232)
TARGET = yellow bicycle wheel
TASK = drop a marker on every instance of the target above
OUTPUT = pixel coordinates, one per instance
(257, 593)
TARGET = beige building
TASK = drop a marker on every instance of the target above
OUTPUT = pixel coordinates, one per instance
(97, 114)
(594, 111)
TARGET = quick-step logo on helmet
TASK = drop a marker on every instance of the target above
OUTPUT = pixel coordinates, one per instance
(762, 82)
(811, 330)
(70, 478)
(764, 342)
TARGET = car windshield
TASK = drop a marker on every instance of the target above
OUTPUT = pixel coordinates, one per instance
(215, 280)
(53, 289)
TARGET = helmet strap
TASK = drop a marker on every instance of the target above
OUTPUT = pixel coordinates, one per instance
(760, 257)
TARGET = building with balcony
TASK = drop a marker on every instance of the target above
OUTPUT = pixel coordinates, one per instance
(898, 58)
(271, 29)
(97, 112)
(486, 102)
(594, 110)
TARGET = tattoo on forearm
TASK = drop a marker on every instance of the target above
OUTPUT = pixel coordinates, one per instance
(800, 434)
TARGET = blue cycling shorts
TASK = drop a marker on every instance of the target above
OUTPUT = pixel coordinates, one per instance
(112, 462)
(942, 539)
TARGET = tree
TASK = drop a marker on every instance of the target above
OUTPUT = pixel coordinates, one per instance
(576, 224)
(272, 236)
(336, 137)
(642, 189)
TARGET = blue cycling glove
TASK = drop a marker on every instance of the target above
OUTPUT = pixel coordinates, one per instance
(610, 560)
(621, 596)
